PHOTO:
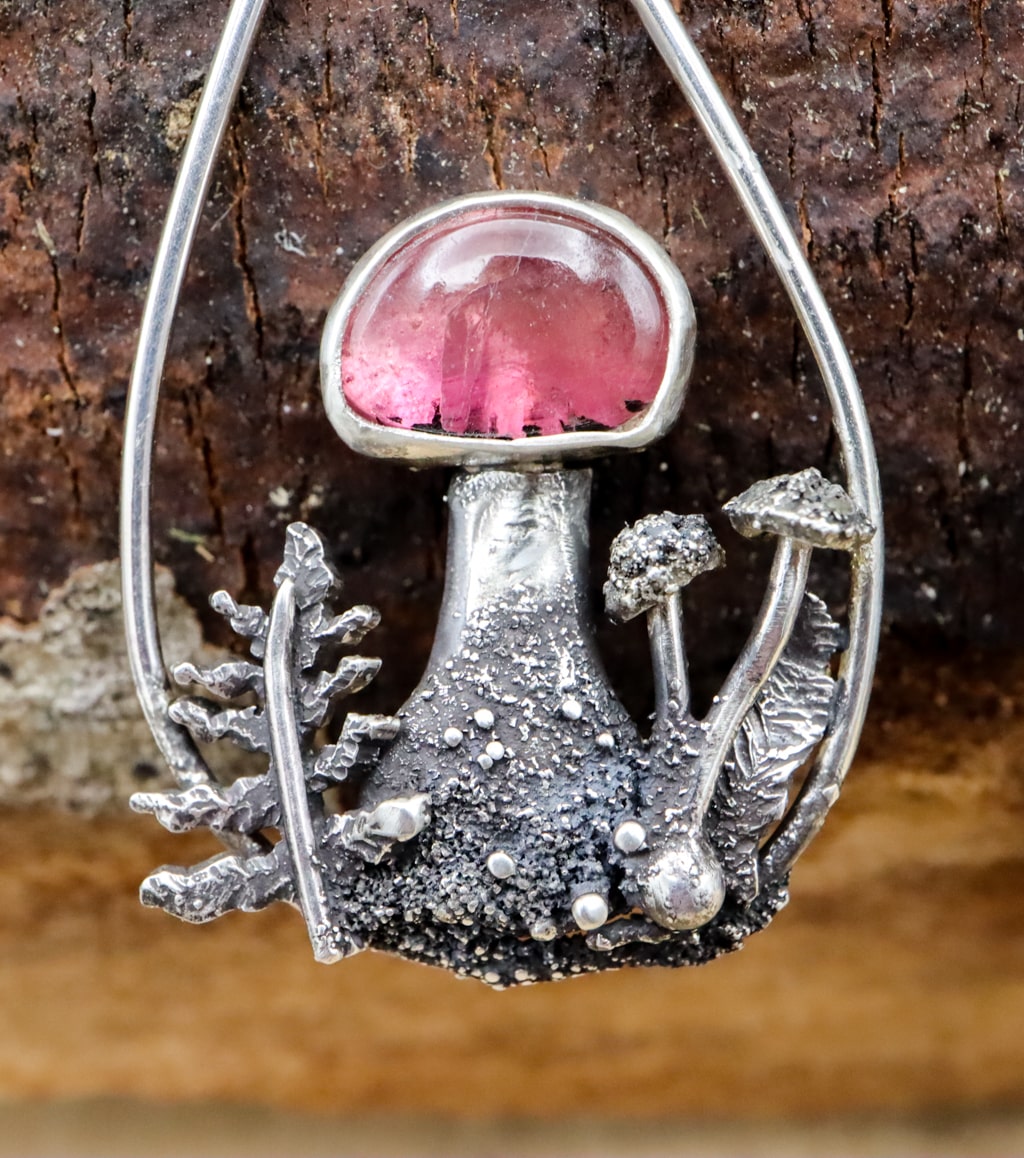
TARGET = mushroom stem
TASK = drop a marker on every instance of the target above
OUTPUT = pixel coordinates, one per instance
(665, 629)
(751, 670)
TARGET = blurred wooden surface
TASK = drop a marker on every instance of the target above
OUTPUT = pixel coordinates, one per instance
(119, 1129)
(894, 981)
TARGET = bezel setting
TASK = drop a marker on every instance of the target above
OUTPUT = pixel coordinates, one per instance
(430, 448)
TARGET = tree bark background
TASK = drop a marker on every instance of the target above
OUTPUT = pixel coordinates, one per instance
(892, 132)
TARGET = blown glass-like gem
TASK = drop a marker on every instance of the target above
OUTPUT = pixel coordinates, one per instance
(507, 322)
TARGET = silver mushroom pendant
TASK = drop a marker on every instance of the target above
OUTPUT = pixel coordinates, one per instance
(510, 821)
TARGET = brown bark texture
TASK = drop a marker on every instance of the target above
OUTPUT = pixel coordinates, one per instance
(892, 131)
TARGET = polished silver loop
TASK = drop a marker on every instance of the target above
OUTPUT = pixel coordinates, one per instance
(142, 631)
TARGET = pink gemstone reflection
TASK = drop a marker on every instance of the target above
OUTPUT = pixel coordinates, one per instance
(507, 322)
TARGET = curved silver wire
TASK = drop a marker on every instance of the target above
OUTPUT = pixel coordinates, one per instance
(769, 220)
(190, 189)
(848, 417)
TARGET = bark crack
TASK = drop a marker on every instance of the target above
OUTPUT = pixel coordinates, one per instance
(213, 486)
(1004, 225)
(806, 229)
(81, 208)
(791, 149)
(978, 18)
(806, 14)
(55, 308)
(127, 20)
(887, 20)
(878, 100)
(249, 287)
(534, 123)
(90, 125)
(492, 147)
(326, 97)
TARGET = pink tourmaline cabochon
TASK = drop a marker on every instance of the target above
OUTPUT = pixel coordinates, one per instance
(507, 321)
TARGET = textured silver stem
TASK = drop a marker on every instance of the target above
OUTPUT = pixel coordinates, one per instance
(665, 630)
(508, 528)
(755, 664)
(143, 638)
(849, 418)
(297, 823)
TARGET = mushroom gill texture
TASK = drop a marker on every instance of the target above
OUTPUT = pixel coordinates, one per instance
(805, 507)
(655, 558)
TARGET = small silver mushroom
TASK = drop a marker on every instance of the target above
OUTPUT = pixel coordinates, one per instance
(651, 562)
(655, 559)
(590, 911)
(682, 886)
(371, 833)
(804, 507)
(803, 511)
(400, 818)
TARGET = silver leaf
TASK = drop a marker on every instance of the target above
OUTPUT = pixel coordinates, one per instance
(245, 727)
(776, 737)
(247, 805)
(305, 563)
(226, 680)
(221, 884)
(246, 620)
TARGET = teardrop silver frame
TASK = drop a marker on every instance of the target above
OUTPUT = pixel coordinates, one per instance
(765, 212)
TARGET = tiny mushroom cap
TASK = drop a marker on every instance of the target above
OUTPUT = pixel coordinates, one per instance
(804, 507)
(654, 559)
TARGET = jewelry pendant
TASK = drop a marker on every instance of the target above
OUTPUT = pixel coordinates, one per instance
(510, 821)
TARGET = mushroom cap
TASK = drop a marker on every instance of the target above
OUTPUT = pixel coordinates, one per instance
(656, 557)
(805, 507)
